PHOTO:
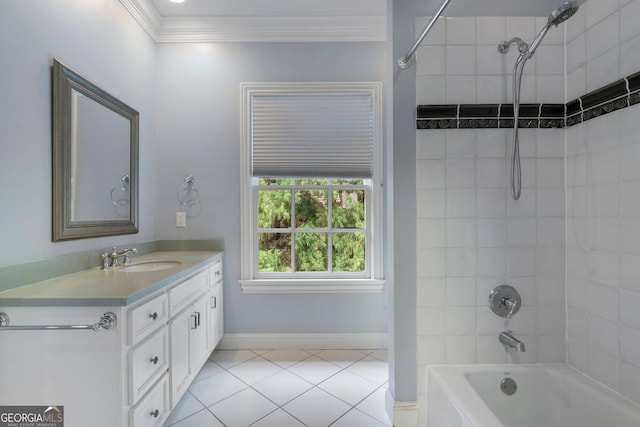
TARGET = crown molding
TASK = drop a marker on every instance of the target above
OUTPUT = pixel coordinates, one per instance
(145, 15)
(256, 29)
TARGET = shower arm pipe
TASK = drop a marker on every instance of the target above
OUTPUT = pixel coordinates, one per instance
(405, 61)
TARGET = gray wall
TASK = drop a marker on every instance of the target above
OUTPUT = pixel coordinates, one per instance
(199, 122)
(101, 41)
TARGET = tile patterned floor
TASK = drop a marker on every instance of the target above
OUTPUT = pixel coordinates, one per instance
(287, 388)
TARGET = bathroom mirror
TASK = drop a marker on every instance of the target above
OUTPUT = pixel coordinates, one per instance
(95, 160)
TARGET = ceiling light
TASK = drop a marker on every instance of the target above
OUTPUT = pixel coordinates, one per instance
(176, 1)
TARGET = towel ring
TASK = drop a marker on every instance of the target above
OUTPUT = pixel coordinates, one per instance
(120, 195)
(187, 193)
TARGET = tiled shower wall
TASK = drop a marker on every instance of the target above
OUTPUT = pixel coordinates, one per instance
(603, 202)
(471, 235)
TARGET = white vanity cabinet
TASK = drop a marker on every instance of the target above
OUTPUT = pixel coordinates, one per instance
(189, 330)
(216, 314)
(131, 375)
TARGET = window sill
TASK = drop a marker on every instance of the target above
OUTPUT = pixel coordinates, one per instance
(311, 286)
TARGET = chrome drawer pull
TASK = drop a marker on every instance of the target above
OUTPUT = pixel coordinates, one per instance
(154, 315)
(155, 413)
(154, 360)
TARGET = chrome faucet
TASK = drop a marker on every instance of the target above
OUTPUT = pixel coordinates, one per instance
(509, 340)
(111, 259)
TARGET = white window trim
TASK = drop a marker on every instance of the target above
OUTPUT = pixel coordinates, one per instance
(248, 220)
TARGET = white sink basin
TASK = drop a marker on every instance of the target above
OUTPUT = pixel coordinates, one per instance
(149, 266)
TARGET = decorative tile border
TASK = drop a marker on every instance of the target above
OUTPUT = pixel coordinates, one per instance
(620, 94)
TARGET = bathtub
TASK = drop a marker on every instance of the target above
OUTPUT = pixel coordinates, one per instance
(545, 396)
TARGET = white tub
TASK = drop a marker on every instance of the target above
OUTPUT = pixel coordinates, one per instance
(546, 396)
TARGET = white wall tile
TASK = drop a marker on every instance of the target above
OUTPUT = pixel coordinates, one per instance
(437, 34)
(628, 157)
(461, 349)
(630, 381)
(462, 144)
(461, 173)
(432, 262)
(630, 345)
(603, 334)
(522, 26)
(432, 291)
(492, 232)
(432, 203)
(461, 262)
(461, 60)
(604, 367)
(461, 202)
(431, 90)
(431, 145)
(461, 291)
(550, 60)
(551, 231)
(461, 232)
(492, 202)
(629, 16)
(461, 320)
(603, 301)
(461, 30)
(550, 202)
(491, 173)
(600, 38)
(551, 349)
(550, 89)
(461, 89)
(576, 53)
(521, 231)
(431, 60)
(490, 30)
(492, 143)
(491, 262)
(629, 56)
(599, 10)
(577, 293)
(432, 233)
(431, 174)
(630, 308)
(492, 90)
(604, 69)
(550, 290)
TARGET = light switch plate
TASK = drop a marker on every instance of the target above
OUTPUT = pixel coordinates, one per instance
(181, 219)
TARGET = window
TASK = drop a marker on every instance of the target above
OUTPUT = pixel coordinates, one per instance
(311, 188)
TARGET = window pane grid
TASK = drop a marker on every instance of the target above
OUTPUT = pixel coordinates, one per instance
(312, 249)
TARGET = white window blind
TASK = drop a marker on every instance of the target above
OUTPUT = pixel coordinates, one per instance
(312, 134)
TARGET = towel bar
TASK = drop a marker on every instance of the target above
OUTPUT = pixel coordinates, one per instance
(107, 321)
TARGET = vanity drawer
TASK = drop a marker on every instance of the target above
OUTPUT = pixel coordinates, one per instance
(215, 272)
(147, 317)
(183, 295)
(152, 411)
(148, 362)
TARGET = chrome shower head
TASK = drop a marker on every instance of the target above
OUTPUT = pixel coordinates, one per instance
(564, 12)
(558, 16)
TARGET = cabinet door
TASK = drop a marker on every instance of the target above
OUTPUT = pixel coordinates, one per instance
(199, 348)
(216, 323)
(180, 333)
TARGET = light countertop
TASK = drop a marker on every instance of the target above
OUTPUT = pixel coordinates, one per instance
(98, 287)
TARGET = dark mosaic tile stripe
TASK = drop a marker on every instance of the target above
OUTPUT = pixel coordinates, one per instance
(615, 96)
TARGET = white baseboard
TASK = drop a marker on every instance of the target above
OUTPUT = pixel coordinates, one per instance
(405, 414)
(325, 341)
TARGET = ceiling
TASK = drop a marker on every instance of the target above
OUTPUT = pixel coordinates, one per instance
(261, 20)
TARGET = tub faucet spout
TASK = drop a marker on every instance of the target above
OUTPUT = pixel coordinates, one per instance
(509, 340)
